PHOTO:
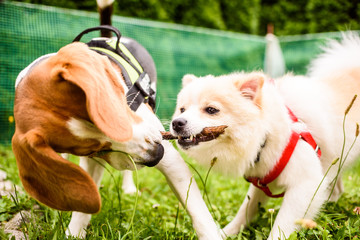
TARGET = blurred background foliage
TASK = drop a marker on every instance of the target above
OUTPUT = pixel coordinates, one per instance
(29, 31)
(246, 16)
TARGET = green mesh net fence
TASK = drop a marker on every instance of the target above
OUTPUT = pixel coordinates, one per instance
(29, 31)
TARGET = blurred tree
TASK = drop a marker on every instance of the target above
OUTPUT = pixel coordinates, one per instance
(247, 16)
(150, 9)
(241, 16)
(84, 4)
(206, 13)
(333, 15)
(288, 17)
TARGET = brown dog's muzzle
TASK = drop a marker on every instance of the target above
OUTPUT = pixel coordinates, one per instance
(158, 154)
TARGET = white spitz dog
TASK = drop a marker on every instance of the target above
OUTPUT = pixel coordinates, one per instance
(261, 129)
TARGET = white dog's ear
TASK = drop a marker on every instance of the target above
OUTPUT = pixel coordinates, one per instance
(188, 78)
(251, 87)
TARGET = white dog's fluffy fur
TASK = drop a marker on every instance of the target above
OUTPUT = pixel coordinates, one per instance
(254, 109)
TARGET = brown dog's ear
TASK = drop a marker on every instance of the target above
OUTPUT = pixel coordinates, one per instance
(52, 180)
(93, 73)
(251, 86)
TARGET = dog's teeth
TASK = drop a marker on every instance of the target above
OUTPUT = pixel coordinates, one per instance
(191, 137)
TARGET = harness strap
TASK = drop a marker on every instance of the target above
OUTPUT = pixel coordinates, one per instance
(306, 135)
(140, 92)
(262, 183)
(136, 79)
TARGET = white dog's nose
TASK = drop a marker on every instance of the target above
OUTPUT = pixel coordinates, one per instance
(179, 124)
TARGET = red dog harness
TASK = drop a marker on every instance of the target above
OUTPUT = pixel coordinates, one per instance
(262, 183)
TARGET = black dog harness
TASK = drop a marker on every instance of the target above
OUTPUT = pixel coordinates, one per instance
(136, 79)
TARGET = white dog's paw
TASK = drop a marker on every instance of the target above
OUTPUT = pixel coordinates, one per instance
(128, 185)
(223, 234)
(230, 230)
(129, 189)
(226, 232)
(78, 224)
(80, 234)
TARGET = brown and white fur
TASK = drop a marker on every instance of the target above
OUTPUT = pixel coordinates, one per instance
(74, 102)
(254, 109)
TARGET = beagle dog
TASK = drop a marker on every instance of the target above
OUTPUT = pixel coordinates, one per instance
(74, 102)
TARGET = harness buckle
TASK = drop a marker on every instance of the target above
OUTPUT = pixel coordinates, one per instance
(260, 184)
(143, 84)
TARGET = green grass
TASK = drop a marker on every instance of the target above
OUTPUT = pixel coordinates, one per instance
(159, 216)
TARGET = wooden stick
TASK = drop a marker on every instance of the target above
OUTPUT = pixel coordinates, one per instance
(206, 132)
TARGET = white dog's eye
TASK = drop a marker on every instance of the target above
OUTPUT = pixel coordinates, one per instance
(211, 110)
(182, 110)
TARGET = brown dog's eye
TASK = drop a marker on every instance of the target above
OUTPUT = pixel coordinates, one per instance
(182, 110)
(211, 110)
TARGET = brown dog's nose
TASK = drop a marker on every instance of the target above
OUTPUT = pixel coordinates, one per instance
(179, 124)
(157, 156)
